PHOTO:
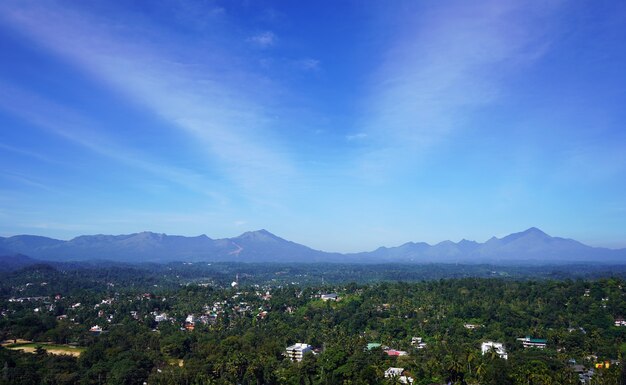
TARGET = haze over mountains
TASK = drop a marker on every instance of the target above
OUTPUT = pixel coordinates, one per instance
(530, 246)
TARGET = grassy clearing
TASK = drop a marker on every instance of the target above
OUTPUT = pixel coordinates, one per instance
(175, 362)
(13, 342)
(30, 347)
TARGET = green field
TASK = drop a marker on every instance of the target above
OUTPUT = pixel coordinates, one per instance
(30, 347)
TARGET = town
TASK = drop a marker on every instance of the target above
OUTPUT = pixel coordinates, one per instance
(464, 331)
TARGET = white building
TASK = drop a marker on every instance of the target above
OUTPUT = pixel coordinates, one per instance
(529, 342)
(297, 351)
(397, 373)
(329, 297)
(393, 372)
(418, 343)
(497, 346)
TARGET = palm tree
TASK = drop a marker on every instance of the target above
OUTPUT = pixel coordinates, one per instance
(470, 356)
(480, 370)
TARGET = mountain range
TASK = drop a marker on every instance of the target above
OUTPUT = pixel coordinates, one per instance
(529, 246)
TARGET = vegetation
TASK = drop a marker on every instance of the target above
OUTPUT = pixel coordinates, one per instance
(240, 332)
(48, 347)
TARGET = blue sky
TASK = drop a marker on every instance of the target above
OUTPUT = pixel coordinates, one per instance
(342, 125)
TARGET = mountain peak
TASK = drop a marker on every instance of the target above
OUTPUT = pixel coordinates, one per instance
(149, 234)
(258, 234)
(534, 230)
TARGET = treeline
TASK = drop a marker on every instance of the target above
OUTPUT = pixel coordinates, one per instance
(239, 346)
(67, 277)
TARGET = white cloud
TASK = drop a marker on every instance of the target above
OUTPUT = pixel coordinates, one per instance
(308, 64)
(209, 99)
(264, 39)
(446, 62)
(356, 136)
(81, 131)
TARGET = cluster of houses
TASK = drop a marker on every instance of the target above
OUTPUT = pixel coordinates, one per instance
(585, 376)
(210, 313)
(499, 349)
(297, 351)
(29, 299)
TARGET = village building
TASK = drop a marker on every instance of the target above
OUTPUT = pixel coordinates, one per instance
(398, 373)
(396, 353)
(529, 342)
(329, 297)
(418, 343)
(498, 347)
(297, 351)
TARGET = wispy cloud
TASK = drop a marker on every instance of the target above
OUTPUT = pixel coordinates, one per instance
(210, 100)
(26, 180)
(56, 226)
(264, 39)
(356, 136)
(308, 64)
(444, 64)
(81, 131)
(31, 154)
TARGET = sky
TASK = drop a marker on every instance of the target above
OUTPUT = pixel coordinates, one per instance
(341, 125)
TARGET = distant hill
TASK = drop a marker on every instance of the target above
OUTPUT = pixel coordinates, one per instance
(253, 246)
(530, 246)
(15, 262)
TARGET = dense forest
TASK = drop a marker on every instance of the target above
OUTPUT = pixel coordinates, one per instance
(185, 324)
